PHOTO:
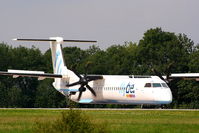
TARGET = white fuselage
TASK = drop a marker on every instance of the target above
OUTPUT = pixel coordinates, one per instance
(124, 90)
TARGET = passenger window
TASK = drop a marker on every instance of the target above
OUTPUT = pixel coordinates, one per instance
(156, 85)
(147, 85)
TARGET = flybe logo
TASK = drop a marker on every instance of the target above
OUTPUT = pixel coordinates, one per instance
(128, 90)
(130, 95)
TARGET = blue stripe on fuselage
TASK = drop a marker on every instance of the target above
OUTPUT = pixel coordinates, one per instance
(85, 100)
(67, 90)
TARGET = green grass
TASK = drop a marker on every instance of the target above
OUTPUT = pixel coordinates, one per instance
(138, 121)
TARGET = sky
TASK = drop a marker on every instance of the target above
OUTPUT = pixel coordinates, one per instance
(107, 21)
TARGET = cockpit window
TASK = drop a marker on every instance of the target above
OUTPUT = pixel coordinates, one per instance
(156, 85)
(164, 85)
(147, 85)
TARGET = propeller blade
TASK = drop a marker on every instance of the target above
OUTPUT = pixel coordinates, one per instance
(80, 95)
(73, 68)
(168, 71)
(73, 84)
(158, 74)
(77, 74)
(91, 89)
(94, 77)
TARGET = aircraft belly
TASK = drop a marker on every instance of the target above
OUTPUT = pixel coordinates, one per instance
(112, 96)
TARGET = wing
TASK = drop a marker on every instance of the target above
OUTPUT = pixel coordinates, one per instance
(41, 75)
(185, 76)
(24, 73)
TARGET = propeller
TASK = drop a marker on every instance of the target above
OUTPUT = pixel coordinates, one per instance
(158, 74)
(168, 70)
(83, 82)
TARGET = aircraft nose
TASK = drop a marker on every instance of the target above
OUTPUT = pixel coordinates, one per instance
(167, 98)
(164, 97)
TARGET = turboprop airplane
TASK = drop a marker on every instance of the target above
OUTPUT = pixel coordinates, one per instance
(101, 89)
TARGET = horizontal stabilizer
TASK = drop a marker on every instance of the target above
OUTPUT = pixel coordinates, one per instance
(53, 40)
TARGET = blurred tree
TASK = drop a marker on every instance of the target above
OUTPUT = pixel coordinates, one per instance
(164, 51)
(48, 97)
(74, 58)
(188, 94)
(5, 52)
(194, 61)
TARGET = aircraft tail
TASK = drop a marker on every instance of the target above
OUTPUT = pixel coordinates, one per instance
(58, 63)
(59, 66)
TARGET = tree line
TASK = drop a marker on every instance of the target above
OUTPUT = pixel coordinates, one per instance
(164, 52)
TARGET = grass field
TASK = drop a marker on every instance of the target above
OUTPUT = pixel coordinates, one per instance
(137, 121)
